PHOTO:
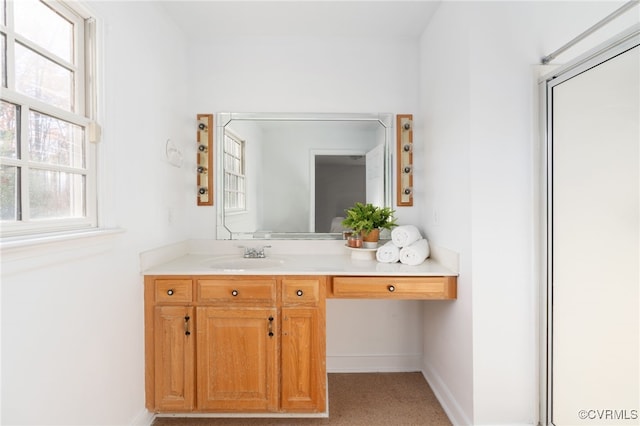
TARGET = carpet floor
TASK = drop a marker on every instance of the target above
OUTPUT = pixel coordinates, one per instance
(369, 399)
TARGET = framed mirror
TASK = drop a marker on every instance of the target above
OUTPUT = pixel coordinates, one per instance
(291, 176)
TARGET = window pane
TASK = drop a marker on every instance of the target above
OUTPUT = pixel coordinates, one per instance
(55, 141)
(40, 24)
(9, 194)
(56, 194)
(9, 116)
(43, 79)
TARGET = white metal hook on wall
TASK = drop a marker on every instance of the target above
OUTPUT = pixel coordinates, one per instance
(173, 154)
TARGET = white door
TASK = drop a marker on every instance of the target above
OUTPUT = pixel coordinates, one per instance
(375, 176)
(594, 260)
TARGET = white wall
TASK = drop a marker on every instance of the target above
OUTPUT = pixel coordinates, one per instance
(477, 120)
(72, 313)
(442, 170)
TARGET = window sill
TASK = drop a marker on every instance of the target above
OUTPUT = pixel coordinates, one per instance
(29, 253)
(26, 254)
(11, 244)
(235, 212)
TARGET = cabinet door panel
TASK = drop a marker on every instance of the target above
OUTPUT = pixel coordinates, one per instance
(237, 359)
(303, 360)
(174, 358)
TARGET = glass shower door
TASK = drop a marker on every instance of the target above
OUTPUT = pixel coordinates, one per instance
(594, 262)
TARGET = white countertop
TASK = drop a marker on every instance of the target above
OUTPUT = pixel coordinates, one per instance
(292, 264)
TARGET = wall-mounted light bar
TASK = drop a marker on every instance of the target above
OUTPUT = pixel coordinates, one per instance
(404, 155)
(204, 162)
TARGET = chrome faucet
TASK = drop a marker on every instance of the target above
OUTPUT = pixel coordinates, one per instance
(255, 252)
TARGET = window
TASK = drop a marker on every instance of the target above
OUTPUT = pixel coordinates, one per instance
(47, 163)
(234, 178)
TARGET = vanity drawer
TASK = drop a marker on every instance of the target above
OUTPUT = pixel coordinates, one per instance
(394, 287)
(300, 292)
(173, 291)
(237, 291)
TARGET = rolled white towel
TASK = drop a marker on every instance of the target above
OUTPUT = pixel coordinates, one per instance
(388, 253)
(405, 235)
(415, 253)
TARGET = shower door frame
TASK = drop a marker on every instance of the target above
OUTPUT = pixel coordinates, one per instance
(623, 42)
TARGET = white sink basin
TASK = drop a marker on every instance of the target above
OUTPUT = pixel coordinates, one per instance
(235, 263)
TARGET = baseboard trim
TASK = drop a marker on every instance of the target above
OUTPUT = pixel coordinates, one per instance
(448, 402)
(374, 363)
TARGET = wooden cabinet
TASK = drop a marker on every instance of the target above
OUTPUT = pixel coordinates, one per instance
(303, 356)
(252, 344)
(235, 344)
(170, 345)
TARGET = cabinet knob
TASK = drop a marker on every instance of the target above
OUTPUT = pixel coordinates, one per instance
(234, 293)
(391, 288)
(170, 292)
(299, 293)
(270, 326)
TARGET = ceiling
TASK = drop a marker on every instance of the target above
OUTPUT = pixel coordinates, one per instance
(204, 19)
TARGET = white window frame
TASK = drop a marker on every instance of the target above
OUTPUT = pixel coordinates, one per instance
(84, 114)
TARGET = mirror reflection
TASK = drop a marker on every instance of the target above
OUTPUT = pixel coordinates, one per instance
(293, 175)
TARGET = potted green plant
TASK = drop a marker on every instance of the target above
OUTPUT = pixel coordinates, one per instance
(368, 220)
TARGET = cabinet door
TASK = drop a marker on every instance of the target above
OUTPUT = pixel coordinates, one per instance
(236, 354)
(174, 358)
(303, 360)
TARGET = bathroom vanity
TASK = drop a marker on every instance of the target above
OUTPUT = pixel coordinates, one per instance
(232, 336)
(235, 343)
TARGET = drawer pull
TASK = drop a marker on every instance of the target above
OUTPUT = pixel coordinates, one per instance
(170, 292)
(299, 293)
(234, 293)
(270, 326)
(391, 288)
(187, 332)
